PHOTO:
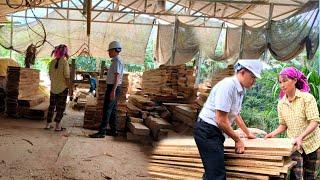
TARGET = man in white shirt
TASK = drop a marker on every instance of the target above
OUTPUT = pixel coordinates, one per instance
(114, 82)
(221, 109)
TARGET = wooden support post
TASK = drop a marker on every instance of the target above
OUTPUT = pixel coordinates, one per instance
(73, 69)
(265, 56)
(103, 63)
(72, 74)
(241, 40)
(175, 33)
(11, 36)
(198, 64)
(89, 6)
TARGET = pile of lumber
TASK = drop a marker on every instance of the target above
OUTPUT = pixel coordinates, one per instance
(3, 82)
(124, 88)
(122, 107)
(121, 117)
(94, 108)
(184, 113)
(2, 99)
(169, 83)
(80, 99)
(23, 94)
(146, 116)
(221, 74)
(205, 88)
(134, 82)
(263, 159)
(90, 114)
(203, 93)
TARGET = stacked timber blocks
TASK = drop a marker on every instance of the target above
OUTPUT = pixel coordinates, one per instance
(122, 107)
(170, 83)
(94, 110)
(263, 159)
(23, 98)
(2, 99)
(147, 121)
(90, 114)
(184, 113)
(205, 89)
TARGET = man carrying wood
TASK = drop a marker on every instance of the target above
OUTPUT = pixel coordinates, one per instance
(221, 109)
(114, 81)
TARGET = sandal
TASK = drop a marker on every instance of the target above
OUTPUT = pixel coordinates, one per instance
(62, 129)
(48, 127)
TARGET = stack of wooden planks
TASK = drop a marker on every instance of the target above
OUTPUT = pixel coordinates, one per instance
(23, 96)
(124, 88)
(150, 117)
(169, 83)
(183, 113)
(203, 93)
(121, 117)
(122, 109)
(2, 99)
(93, 109)
(205, 88)
(221, 74)
(134, 82)
(263, 159)
(90, 114)
(141, 102)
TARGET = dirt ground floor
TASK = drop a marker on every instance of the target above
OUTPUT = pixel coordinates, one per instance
(27, 151)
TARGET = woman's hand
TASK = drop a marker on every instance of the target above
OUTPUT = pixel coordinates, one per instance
(297, 142)
(270, 135)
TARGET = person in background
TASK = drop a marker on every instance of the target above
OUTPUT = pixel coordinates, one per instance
(92, 82)
(59, 74)
(299, 116)
(219, 112)
(114, 81)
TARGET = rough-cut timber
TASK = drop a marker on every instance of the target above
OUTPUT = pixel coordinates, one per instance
(170, 83)
(179, 158)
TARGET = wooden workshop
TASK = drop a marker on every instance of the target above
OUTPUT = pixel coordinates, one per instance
(174, 52)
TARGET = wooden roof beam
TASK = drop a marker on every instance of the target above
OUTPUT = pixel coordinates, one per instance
(203, 7)
(174, 5)
(89, 6)
(248, 12)
(276, 16)
(115, 10)
(253, 2)
(100, 12)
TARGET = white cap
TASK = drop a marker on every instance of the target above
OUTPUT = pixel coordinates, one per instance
(253, 65)
(115, 45)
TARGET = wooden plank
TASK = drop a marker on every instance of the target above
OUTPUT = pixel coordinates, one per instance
(252, 146)
(253, 170)
(139, 129)
(261, 143)
(253, 163)
(247, 176)
(170, 176)
(174, 153)
(261, 152)
(252, 156)
(188, 164)
(180, 167)
(136, 120)
(171, 171)
(178, 159)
